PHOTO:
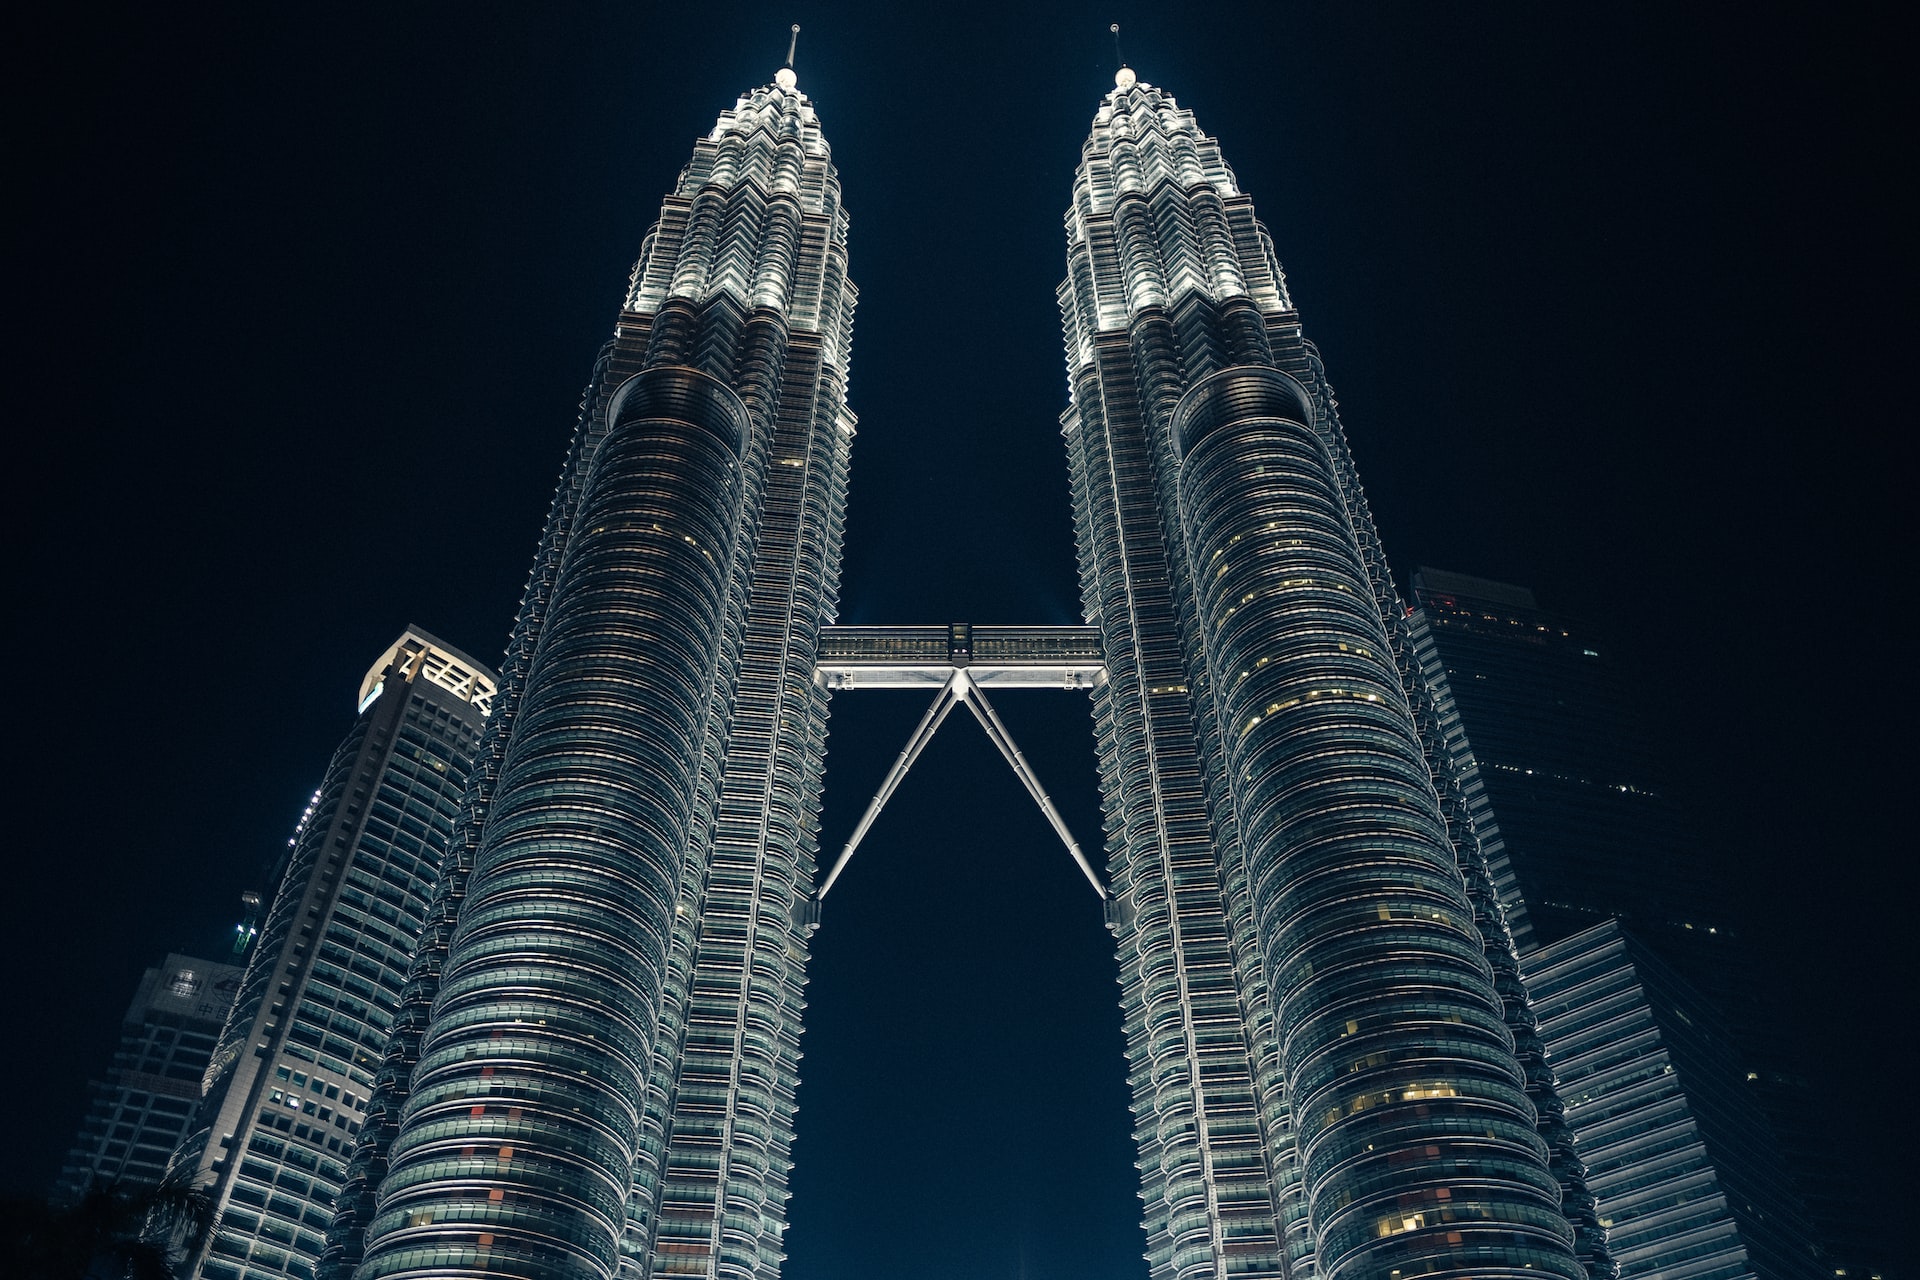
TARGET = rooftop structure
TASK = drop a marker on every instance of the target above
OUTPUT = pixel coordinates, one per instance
(424, 658)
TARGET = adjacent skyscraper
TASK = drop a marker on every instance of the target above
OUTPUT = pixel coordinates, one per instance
(144, 1106)
(1679, 1154)
(1600, 875)
(1569, 798)
(287, 1089)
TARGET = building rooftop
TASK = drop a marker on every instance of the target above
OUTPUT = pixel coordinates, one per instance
(439, 663)
(1442, 582)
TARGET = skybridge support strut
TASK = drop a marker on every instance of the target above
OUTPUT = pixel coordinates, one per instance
(916, 743)
(960, 660)
(977, 703)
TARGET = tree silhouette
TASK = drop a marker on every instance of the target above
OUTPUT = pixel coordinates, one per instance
(112, 1232)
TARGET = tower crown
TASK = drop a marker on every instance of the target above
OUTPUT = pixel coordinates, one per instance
(1157, 217)
(420, 654)
(1141, 138)
(758, 196)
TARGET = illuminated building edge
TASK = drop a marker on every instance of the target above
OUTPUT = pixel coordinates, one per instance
(284, 1093)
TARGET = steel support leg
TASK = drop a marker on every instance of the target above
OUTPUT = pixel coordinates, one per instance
(943, 702)
(983, 712)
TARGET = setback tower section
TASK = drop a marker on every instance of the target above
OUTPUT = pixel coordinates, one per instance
(1577, 826)
(1334, 1068)
(594, 1068)
(1680, 1154)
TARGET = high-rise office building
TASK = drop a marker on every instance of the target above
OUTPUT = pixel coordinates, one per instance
(1334, 1066)
(141, 1110)
(287, 1089)
(1570, 798)
(1580, 829)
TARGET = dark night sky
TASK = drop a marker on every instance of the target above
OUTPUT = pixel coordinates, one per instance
(1617, 301)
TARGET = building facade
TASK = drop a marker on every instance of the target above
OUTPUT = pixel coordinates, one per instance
(1571, 800)
(142, 1109)
(1582, 836)
(1334, 1067)
(286, 1091)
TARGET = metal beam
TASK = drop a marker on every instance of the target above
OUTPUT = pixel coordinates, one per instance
(960, 686)
(922, 735)
(976, 700)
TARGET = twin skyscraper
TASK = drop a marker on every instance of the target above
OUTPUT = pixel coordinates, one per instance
(1334, 1068)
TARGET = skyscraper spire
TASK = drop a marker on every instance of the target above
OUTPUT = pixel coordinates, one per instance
(1123, 76)
(785, 77)
(1314, 972)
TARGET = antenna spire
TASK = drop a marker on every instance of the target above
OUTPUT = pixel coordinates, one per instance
(1124, 77)
(784, 77)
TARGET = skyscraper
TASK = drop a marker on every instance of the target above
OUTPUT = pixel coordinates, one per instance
(286, 1089)
(1334, 1066)
(138, 1113)
(1567, 785)
(1679, 1155)
(1597, 866)
(594, 1072)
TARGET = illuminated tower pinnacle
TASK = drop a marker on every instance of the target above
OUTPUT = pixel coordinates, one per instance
(1334, 1069)
(596, 1058)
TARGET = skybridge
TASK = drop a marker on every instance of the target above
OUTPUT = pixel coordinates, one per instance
(993, 657)
(959, 663)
